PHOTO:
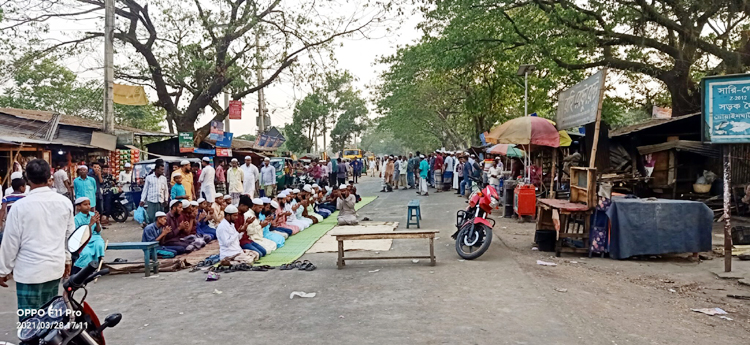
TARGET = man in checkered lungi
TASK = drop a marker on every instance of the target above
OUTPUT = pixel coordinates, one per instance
(33, 251)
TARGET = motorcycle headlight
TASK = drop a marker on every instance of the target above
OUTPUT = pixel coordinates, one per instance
(494, 203)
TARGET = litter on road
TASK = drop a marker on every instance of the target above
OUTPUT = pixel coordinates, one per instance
(545, 263)
(710, 311)
(302, 294)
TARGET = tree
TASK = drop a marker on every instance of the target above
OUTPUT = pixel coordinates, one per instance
(673, 41)
(351, 121)
(308, 115)
(47, 85)
(190, 51)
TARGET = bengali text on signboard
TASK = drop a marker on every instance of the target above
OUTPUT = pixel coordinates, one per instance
(579, 105)
(726, 109)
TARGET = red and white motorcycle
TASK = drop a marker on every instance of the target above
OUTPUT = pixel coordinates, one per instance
(473, 229)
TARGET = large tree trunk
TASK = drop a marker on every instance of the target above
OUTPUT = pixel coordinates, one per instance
(683, 90)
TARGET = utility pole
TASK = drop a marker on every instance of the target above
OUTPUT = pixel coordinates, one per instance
(226, 107)
(109, 70)
(261, 98)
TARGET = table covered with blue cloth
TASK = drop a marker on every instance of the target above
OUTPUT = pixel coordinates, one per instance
(661, 226)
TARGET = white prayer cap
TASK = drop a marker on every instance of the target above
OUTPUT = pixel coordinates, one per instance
(82, 199)
(127, 165)
(307, 188)
(274, 204)
(257, 201)
(16, 175)
(200, 200)
(184, 162)
(328, 188)
(193, 203)
(282, 195)
(248, 157)
(343, 186)
(421, 156)
(288, 190)
(185, 203)
(82, 166)
(160, 214)
(177, 174)
(234, 160)
(227, 197)
(218, 195)
(295, 191)
(206, 159)
(231, 209)
(171, 203)
(307, 185)
(267, 159)
(315, 185)
(472, 155)
(265, 200)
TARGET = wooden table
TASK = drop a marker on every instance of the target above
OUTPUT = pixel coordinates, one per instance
(384, 235)
(578, 215)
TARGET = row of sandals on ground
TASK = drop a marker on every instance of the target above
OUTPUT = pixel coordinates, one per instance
(246, 232)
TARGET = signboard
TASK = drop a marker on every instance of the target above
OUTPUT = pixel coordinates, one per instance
(263, 140)
(580, 104)
(661, 113)
(103, 140)
(225, 140)
(271, 141)
(208, 152)
(726, 109)
(217, 130)
(279, 142)
(235, 110)
(186, 142)
(220, 152)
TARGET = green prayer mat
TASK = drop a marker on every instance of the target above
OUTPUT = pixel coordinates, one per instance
(296, 246)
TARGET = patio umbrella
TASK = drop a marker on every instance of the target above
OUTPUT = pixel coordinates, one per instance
(508, 150)
(524, 131)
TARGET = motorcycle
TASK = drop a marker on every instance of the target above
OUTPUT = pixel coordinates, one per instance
(473, 229)
(120, 207)
(65, 320)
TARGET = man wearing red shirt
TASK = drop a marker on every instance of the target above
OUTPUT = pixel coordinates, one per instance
(438, 167)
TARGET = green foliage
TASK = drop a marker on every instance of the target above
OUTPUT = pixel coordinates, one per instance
(47, 85)
(381, 142)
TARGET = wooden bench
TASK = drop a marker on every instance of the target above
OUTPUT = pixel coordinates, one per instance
(413, 206)
(150, 261)
(384, 235)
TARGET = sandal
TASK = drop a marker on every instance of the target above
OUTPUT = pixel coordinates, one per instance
(258, 268)
(310, 267)
(286, 267)
(304, 265)
(268, 267)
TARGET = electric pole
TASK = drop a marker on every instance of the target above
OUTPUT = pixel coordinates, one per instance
(261, 98)
(109, 70)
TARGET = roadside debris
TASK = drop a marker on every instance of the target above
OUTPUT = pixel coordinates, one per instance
(561, 290)
(374, 271)
(415, 261)
(672, 290)
(739, 297)
(533, 249)
(217, 292)
(212, 276)
(726, 318)
(302, 294)
(545, 263)
(710, 311)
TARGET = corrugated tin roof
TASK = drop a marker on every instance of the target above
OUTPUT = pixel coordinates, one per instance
(682, 145)
(10, 138)
(239, 144)
(648, 124)
(45, 116)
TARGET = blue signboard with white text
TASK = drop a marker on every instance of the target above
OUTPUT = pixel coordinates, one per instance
(726, 109)
(225, 140)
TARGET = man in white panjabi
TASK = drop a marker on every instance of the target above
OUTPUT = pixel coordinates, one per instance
(345, 204)
(235, 177)
(208, 174)
(229, 240)
(250, 178)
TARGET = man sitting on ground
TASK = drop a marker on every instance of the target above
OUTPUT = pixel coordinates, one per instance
(345, 204)
(230, 250)
(94, 250)
(255, 229)
(241, 224)
(203, 218)
(157, 231)
(173, 240)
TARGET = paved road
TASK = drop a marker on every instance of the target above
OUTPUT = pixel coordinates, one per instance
(492, 300)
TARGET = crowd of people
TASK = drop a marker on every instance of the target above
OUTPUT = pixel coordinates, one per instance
(441, 170)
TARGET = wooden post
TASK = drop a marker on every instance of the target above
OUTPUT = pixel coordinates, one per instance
(597, 124)
(552, 175)
(727, 221)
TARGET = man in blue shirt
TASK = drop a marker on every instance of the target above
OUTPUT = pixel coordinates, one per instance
(424, 170)
(94, 249)
(85, 186)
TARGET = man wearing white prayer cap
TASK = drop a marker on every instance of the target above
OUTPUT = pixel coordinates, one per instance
(84, 185)
(187, 178)
(346, 205)
(125, 178)
(251, 176)
(235, 178)
(268, 178)
(18, 175)
(207, 180)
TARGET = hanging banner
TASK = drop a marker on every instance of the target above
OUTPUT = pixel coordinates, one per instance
(129, 95)
(271, 141)
(235, 110)
(217, 130)
(578, 105)
(223, 152)
(225, 140)
(726, 109)
(263, 140)
(186, 142)
(279, 142)
(209, 152)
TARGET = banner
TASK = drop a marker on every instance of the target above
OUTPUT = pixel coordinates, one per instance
(186, 142)
(225, 140)
(579, 105)
(223, 152)
(129, 95)
(217, 130)
(661, 113)
(235, 110)
(726, 109)
(208, 152)
(279, 142)
(263, 140)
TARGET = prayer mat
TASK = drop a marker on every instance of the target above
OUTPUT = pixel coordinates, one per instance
(296, 245)
(328, 243)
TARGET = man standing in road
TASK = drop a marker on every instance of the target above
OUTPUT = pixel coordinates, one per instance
(125, 178)
(250, 178)
(235, 176)
(268, 178)
(424, 170)
(438, 169)
(62, 182)
(208, 174)
(155, 192)
(220, 177)
(410, 166)
(34, 242)
(84, 185)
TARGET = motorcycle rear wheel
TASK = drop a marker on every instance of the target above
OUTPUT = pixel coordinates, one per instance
(478, 245)
(119, 212)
